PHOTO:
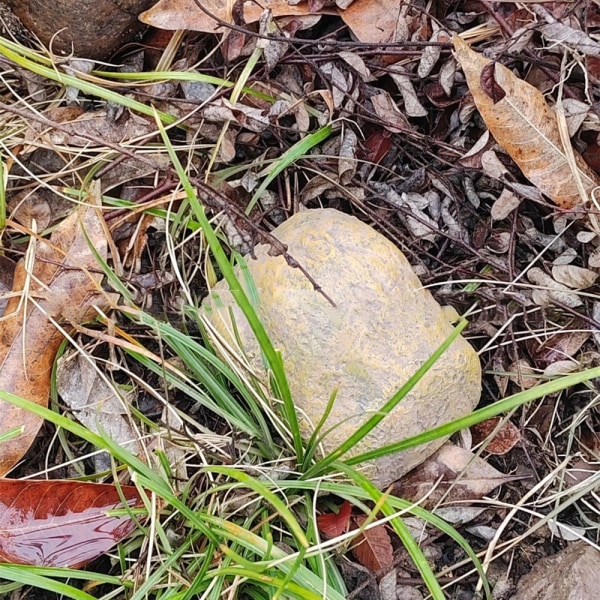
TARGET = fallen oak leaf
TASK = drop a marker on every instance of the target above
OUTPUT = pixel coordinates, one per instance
(58, 287)
(61, 523)
(521, 121)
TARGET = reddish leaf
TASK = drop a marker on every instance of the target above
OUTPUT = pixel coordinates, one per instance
(376, 146)
(372, 547)
(61, 523)
(592, 153)
(489, 85)
(333, 524)
(504, 440)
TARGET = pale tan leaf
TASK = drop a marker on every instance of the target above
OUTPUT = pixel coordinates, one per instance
(454, 474)
(576, 112)
(358, 64)
(525, 126)
(94, 402)
(504, 205)
(447, 75)
(431, 54)
(492, 165)
(412, 105)
(28, 207)
(348, 162)
(93, 128)
(387, 110)
(560, 367)
(576, 278)
(559, 33)
(523, 374)
(551, 290)
(185, 14)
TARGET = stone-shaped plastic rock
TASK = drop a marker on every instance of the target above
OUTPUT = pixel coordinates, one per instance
(382, 329)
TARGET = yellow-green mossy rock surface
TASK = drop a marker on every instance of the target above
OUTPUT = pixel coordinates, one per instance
(382, 329)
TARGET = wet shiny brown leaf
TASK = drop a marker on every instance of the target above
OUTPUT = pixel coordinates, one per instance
(61, 523)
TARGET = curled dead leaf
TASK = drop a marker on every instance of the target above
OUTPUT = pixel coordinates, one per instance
(550, 290)
(574, 277)
(62, 286)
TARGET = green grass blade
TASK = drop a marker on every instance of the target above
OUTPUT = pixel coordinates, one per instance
(86, 87)
(268, 496)
(289, 157)
(24, 575)
(273, 357)
(550, 387)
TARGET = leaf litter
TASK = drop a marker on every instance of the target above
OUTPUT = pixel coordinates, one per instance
(431, 151)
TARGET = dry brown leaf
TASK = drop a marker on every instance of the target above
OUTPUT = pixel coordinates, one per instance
(27, 207)
(7, 269)
(550, 290)
(93, 128)
(525, 126)
(62, 287)
(185, 14)
(412, 104)
(503, 441)
(387, 110)
(376, 21)
(523, 374)
(372, 547)
(564, 345)
(504, 205)
(559, 33)
(454, 474)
